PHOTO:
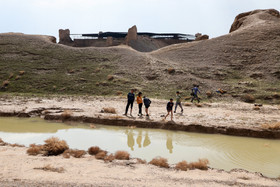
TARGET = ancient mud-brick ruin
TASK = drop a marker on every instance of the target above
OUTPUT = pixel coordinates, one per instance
(141, 41)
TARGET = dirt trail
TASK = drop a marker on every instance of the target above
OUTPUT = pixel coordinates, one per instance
(228, 118)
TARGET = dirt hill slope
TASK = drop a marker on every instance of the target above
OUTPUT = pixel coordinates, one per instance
(244, 61)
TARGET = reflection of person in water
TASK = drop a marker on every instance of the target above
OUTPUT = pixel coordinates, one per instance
(147, 140)
(139, 139)
(169, 144)
(130, 140)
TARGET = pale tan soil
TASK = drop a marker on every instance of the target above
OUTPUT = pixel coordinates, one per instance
(17, 169)
(236, 114)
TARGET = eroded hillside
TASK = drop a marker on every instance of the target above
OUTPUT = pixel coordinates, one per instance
(245, 61)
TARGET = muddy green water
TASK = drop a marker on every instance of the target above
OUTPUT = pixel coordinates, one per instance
(224, 152)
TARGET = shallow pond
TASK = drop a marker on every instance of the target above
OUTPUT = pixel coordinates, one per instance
(224, 152)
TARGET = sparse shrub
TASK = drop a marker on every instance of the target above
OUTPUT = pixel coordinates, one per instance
(256, 108)
(202, 164)
(140, 161)
(198, 105)
(209, 94)
(273, 126)
(110, 77)
(94, 150)
(74, 153)
(171, 70)
(54, 146)
(2, 143)
(5, 83)
(101, 155)
(110, 110)
(160, 162)
(16, 145)
(122, 155)
(34, 149)
(182, 166)
(66, 114)
(187, 104)
(21, 72)
(248, 98)
(50, 168)
(119, 93)
(11, 75)
(109, 158)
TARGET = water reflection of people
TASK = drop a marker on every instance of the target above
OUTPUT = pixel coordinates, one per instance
(130, 140)
(139, 139)
(169, 144)
(147, 140)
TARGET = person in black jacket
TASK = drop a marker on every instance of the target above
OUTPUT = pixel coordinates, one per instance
(130, 101)
(169, 109)
(147, 103)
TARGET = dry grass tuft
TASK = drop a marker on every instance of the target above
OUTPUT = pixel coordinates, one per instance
(11, 75)
(171, 70)
(160, 162)
(5, 83)
(2, 143)
(187, 104)
(110, 77)
(122, 155)
(109, 158)
(110, 110)
(209, 94)
(198, 105)
(21, 72)
(140, 161)
(54, 146)
(74, 153)
(34, 149)
(101, 155)
(66, 114)
(94, 150)
(248, 98)
(119, 93)
(272, 126)
(182, 166)
(256, 108)
(16, 145)
(52, 169)
(202, 164)
(116, 117)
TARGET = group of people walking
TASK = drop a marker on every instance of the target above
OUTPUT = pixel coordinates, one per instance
(147, 102)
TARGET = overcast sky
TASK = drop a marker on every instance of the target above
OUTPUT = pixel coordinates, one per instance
(212, 17)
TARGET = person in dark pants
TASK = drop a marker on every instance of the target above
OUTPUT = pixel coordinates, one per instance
(130, 101)
(178, 102)
(169, 109)
(195, 91)
(140, 103)
(147, 103)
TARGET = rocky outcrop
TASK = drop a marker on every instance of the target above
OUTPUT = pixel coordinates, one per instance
(131, 35)
(64, 36)
(199, 36)
(241, 18)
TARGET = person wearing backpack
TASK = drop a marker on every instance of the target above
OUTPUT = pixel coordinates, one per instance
(147, 103)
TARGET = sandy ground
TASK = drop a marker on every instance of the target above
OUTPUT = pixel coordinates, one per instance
(17, 169)
(237, 114)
